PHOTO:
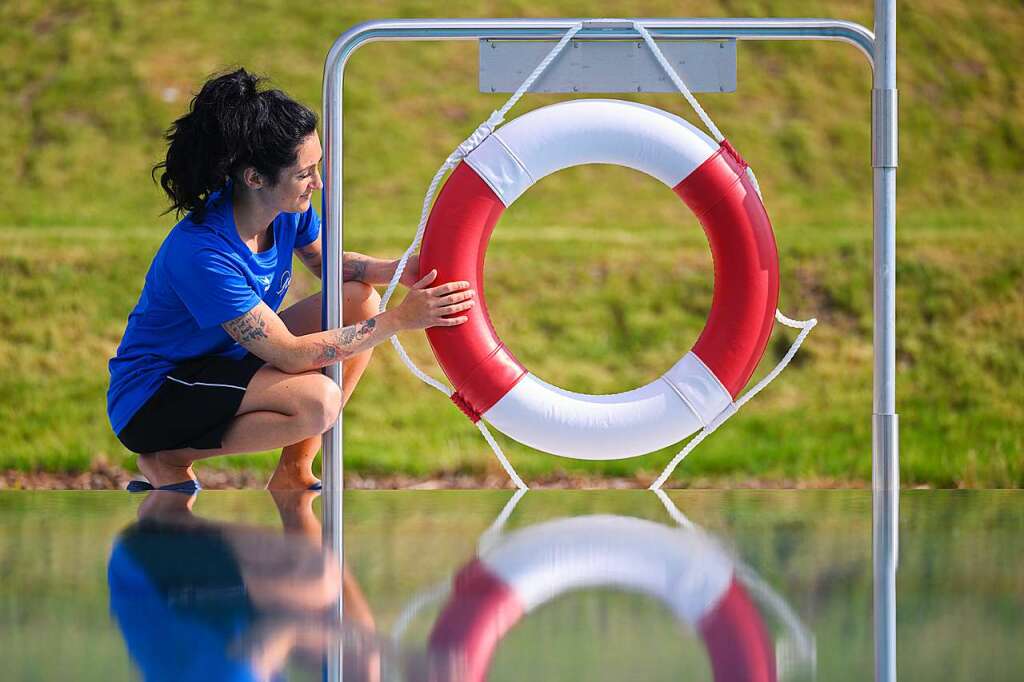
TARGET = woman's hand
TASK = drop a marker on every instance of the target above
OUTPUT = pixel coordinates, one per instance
(426, 306)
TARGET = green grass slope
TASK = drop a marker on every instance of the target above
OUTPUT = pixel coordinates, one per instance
(598, 279)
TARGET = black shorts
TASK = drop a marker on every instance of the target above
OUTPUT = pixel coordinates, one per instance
(193, 407)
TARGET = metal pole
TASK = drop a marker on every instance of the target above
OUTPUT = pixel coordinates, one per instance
(331, 288)
(885, 473)
(885, 421)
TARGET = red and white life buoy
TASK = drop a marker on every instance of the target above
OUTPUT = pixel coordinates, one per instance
(490, 383)
(684, 570)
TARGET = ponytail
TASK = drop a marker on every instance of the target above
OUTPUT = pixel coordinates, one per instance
(230, 125)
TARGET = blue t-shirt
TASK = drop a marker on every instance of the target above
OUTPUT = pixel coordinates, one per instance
(202, 276)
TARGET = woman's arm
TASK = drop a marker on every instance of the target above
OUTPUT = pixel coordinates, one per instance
(312, 257)
(265, 335)
(356, 266)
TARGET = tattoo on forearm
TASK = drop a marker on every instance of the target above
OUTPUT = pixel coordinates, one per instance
(248, 327)
(354, 269)
(364, 328)
(344, 338)
(328, 353)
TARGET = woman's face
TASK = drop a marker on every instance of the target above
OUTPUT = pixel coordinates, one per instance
(296, 183)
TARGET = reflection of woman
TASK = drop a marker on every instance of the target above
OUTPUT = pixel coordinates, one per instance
(207, 366)
(199, 600)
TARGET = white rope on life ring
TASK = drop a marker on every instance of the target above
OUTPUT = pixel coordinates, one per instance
(697, 391)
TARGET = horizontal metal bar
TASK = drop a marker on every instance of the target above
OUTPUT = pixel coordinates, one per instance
(475, 29)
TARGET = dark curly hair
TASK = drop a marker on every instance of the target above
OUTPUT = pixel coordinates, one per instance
(230, 125)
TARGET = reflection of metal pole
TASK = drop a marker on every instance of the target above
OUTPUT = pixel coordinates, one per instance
(334, 653)
(885, 555)
(885, 426)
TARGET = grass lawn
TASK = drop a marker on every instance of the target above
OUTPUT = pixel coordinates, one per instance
(598, 278)
(602, 314)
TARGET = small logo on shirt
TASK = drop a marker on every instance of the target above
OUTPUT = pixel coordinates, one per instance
(265, 281)
(286, 280)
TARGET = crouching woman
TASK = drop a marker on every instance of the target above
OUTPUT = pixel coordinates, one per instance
(207, 366)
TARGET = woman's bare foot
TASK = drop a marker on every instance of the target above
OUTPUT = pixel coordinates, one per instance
(159, 472)
(295, 468)
(292, 476)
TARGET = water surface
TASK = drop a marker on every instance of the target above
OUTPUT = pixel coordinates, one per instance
(565, 585)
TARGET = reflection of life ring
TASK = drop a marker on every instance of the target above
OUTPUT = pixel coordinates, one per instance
(684, 570)
(489, 382)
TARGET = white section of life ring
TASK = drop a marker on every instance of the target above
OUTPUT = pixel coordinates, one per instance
(665, 411)
(589, 131)
(685, 570)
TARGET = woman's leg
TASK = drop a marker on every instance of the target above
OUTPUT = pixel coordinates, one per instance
(360, 303)
(290, 411)
(278, 409)
(295, 468)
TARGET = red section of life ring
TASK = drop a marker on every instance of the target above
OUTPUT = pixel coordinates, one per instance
(475, 360)
(746, 267)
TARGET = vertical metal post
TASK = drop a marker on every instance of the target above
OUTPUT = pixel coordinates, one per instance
(885, 422)
(885, 472)
(333, 299)
(332, 296)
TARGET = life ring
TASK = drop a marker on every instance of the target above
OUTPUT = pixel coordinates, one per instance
(683, 569)
(489, 382)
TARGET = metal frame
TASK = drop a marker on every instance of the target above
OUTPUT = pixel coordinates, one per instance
(880, 50)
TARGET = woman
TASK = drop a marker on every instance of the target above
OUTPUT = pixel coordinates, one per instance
(206, 366)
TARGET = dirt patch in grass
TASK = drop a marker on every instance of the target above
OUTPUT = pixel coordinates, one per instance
(104, 476)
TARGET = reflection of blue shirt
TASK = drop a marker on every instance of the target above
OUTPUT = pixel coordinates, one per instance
(167, 636)
(202, 275)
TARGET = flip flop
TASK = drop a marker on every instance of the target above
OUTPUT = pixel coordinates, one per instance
(190, 487)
